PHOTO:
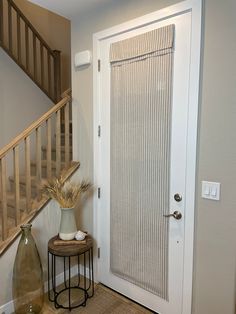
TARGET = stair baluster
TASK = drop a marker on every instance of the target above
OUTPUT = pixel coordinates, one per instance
(49, 148)
(22, 199)
(17, 184)
(58, 142)
(67, 133)
(30, 49)
(27, 174)
(38, 161)
(4, 197)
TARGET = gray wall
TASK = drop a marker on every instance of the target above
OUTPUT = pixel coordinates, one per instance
(21, 101)
(44, 227)
(214, 263)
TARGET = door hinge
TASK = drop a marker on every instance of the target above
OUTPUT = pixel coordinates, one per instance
(99, 192)
(99, 65)
(98, 252)
(99, 130)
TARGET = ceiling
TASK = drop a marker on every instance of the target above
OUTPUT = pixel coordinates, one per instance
(69, 8)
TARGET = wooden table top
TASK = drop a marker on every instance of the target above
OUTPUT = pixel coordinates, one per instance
(69, 250)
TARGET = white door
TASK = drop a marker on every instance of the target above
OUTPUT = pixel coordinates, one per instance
(173, 260)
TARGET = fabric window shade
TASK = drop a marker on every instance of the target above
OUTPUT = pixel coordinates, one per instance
(141, 84)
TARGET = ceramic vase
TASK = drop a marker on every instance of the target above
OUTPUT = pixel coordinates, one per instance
(68, 226)
(27, 285)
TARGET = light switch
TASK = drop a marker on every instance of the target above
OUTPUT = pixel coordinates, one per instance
(211, 190)
(207, 189)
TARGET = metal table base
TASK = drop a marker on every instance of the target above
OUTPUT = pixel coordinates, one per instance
(84, 278)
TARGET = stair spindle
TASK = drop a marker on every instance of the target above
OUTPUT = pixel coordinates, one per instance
(18, 38)
(4, 197)
(27, 174)
(49, 75)
(67, 134)
(38, 161)
(58, 142)
(27, 47)
(17, 184)
(49, 148)
(9, 27)
(42, 64)
(35, 57)
(57, 75)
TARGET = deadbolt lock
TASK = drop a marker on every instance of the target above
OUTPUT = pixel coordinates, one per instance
(178, 197)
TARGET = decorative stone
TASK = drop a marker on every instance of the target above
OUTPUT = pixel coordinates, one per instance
(80, 235)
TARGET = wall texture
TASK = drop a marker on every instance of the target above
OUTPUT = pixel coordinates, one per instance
(214, 263)
(21, 101)
(44, 227)
(55, 29)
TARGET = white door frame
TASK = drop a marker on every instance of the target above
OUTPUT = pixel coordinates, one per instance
(195, 7)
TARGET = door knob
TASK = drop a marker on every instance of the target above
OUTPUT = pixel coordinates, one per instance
(176, 214)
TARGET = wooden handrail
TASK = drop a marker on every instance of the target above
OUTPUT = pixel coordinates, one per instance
(45, 62)
(66, 93)
(33, 127)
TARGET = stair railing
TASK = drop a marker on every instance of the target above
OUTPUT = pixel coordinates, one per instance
(29, 50)
(20, 149)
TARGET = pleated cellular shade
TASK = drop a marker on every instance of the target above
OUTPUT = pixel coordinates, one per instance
(141, 87)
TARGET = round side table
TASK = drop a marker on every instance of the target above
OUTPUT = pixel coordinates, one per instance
(84, 273)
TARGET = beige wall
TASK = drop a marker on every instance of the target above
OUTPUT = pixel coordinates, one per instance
(55, 30)
(215, 236)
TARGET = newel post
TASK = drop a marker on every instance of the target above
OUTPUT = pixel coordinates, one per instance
(57, 75)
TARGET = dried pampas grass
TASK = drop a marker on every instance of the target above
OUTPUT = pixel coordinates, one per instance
(66, 193)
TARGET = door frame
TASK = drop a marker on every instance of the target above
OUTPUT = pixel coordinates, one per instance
(195, 7)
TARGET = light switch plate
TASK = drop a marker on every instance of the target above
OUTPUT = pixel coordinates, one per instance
(211, 190)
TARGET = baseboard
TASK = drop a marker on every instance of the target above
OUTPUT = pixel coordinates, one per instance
(8, 308)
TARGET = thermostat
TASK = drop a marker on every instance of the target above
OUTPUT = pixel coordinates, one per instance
(83, 58)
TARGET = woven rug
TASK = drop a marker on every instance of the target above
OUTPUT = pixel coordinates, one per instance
(104, 301)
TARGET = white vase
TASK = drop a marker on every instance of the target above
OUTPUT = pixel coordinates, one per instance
(68, 227)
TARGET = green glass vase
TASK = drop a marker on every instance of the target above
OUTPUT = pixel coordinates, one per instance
(27, 285)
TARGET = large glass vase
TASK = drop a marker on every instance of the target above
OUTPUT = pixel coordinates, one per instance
(27, 287)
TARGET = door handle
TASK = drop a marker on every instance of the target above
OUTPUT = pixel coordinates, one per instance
(176, 214)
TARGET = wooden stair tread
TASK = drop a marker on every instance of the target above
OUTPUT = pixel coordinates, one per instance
(53, 163)
(63, 122)
(63, 135)
(11, 200)
(44, 148)
(22, 179)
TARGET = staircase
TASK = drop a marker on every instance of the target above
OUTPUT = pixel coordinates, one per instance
(42, 150)
(22, 42)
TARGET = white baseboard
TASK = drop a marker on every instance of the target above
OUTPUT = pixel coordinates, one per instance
(8, 308)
